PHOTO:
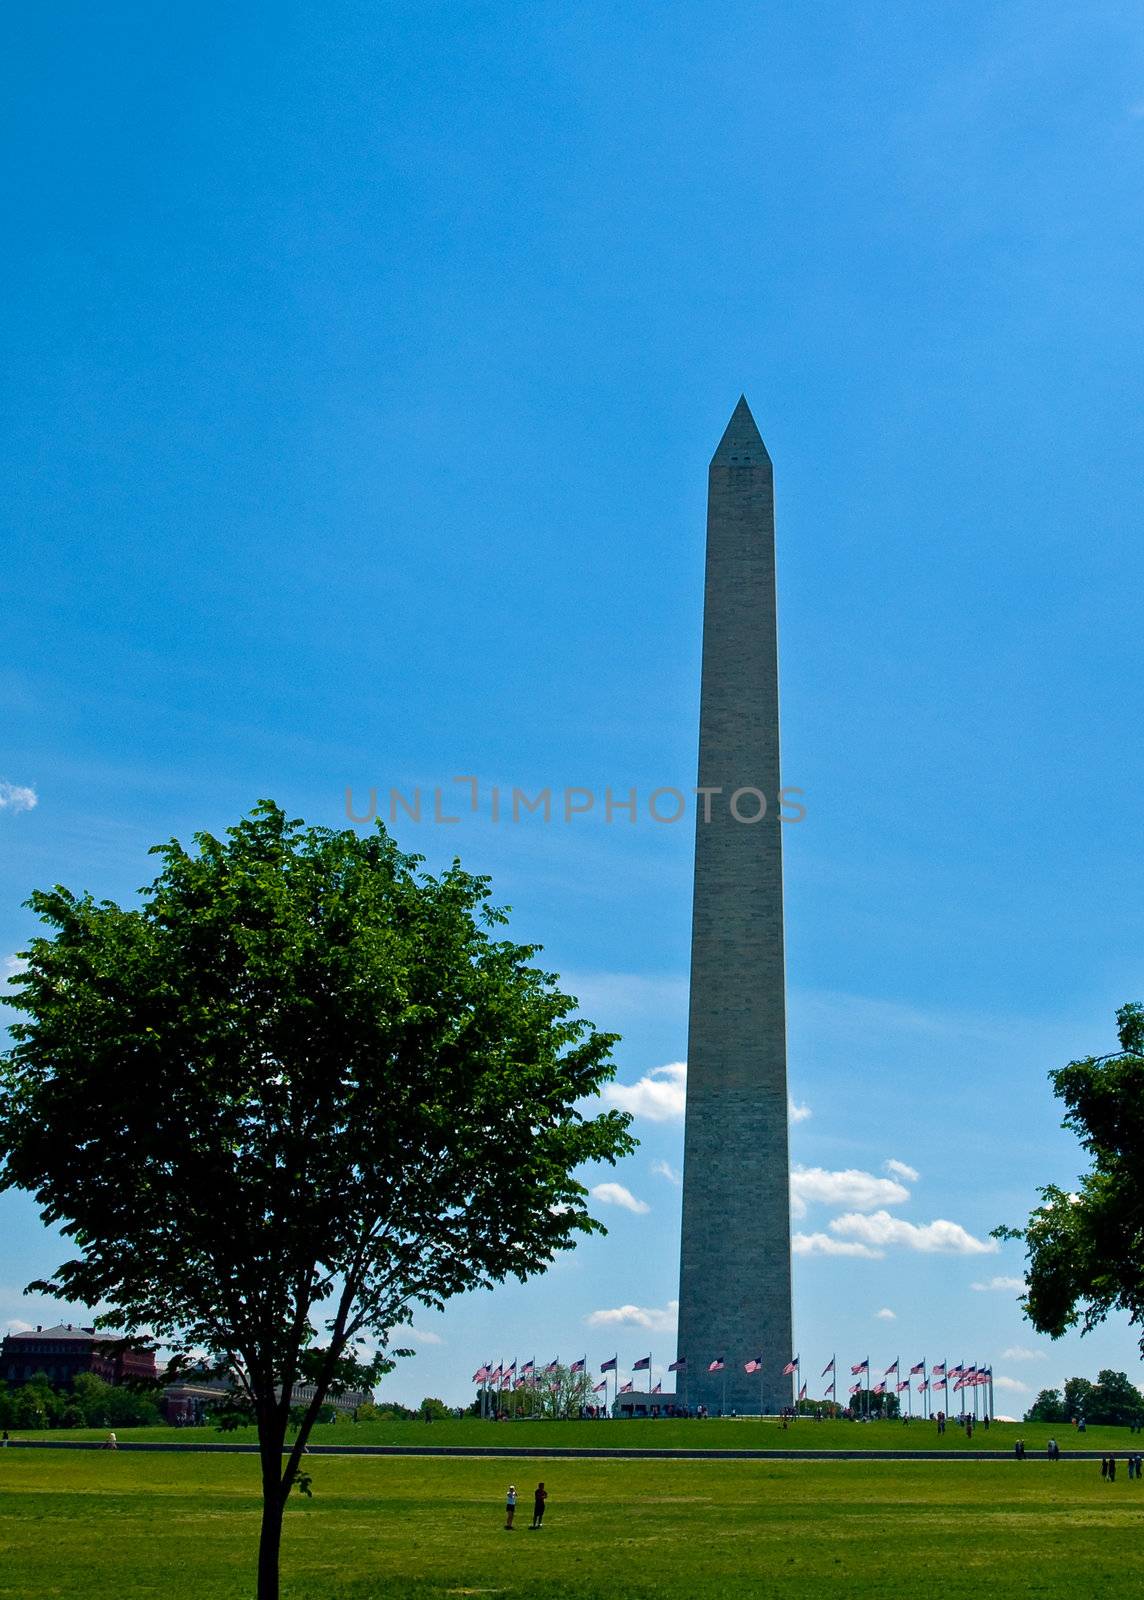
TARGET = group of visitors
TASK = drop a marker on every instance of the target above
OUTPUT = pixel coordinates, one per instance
(1135, 1465)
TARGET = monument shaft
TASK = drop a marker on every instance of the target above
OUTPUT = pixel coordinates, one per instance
(735, 1277)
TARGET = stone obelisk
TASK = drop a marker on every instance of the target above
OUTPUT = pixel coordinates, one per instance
(735, 1279)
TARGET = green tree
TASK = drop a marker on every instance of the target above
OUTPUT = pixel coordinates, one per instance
(1083, 1246)
(554, 1395)
(1047, 1407)
(299, 1087)
(433, 1410)
(1115, 1400)
(1079, 1394)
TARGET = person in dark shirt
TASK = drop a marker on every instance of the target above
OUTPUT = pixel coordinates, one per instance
(538, 1499)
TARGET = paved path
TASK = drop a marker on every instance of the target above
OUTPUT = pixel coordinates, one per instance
(555, 1453)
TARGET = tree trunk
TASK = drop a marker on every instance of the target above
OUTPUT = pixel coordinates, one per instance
(271, 1439)
(269, 1544)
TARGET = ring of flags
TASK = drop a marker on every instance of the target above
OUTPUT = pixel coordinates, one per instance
(941, 1376)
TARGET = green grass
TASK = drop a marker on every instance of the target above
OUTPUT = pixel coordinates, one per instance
(126, 1526)
(745, 1434)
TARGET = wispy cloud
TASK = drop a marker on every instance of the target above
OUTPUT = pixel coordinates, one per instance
(899, 1169)
(12, 966)
(798, 1113)
(1018, 1352)
(17, 797)
(656, 1319)
(426, 1336)
(850, 1187)
(1011, 1285)
(1014, 1385)
(939, 1237)
(821, 1244)
(659, 1095)
(664, 1169)
(614, 1194)
(887, 1315)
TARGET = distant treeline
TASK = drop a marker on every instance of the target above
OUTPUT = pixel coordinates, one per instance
(1113, 1401)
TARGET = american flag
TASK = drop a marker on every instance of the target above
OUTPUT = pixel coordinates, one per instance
(507, 1370)
(754, 1365)
(642, 1365)
(481, 1375)
(863, 1366)
(529, 1366)
(609, 1366)
(879, 1388)
(923, 1386)
(717, 1365)
(791, 1366)
(903, 1384)
(956, 1372)
(855, 1388)
(938, 1371)
(495, 1374)
(832, 1386)
(599, 1388)
(678, 1366)
(829, 1367)
(919, 1367)
(802, 1392)
(894, 1368)
(626, 1388)
(553, 1366)
(658, 1389)
(578, 1366)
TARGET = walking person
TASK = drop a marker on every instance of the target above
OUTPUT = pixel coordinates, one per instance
(510, 1506)
(538, 1499)
(1112, 1469)
(1104, 1466)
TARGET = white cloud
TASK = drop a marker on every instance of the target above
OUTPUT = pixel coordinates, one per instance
(821, 1244)
(655, 1319)
(1014, 1385)
(938, 1237)
(887, 1315)
(14, 1325)
(664, 1169)
(16, 797)
(796, 1112)
(851, 1187)
(1018, 1352)
(614, 1194)
(659, 1095)
(424, 1336)
(1015, 1285)
(13, 965)
(899, 1169)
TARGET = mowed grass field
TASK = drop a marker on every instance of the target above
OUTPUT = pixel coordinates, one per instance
(103, 1525)
(713, 1434)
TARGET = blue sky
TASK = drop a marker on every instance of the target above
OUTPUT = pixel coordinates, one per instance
(362, 368)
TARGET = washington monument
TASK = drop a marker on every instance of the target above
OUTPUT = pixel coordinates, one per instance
(734, 1276)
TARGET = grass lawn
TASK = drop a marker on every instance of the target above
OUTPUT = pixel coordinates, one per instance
(125, 1526)
(747, 1434)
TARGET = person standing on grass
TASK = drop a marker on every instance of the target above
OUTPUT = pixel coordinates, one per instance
(1112, 1469)
(112, 1442)
(538, 1499)
(510, 1505)
(1104, 1466)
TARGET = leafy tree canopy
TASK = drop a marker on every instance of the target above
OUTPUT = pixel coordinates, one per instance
(1086, 1247)
(298, 1087)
